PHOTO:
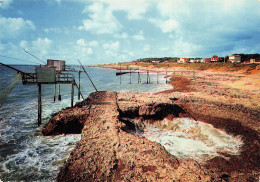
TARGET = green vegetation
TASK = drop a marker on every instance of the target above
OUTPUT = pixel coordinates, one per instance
(164, 59)
(197, 66)
(247, 57)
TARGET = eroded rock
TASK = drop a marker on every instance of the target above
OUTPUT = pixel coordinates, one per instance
(107, 152)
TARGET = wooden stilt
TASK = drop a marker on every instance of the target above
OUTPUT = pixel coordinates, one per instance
(39, 104)
(181, 75)
(54, 97)
(166, 76)
(59, 96)
(139, 79)
(157, 77)
(130, 76)
(147, 81)
(79, 87)
(72, 94)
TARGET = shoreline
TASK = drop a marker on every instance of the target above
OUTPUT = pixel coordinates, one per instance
(209, 98)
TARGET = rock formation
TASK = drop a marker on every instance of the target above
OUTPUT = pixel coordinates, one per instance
(108, 152)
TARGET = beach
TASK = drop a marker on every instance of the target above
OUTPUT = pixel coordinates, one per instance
(115, 127)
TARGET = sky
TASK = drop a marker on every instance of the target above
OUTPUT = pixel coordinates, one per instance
(111, 31)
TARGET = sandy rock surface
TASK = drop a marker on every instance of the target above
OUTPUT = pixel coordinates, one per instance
(108, 152)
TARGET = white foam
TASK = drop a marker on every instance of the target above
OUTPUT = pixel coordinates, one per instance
(42, 157)
(185, 137)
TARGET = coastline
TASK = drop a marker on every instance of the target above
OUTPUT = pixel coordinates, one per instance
(213, 97)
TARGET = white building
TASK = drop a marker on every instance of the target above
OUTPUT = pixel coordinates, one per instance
(183, 60)
(235, 58)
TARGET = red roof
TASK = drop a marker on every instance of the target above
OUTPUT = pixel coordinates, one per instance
(235, 55)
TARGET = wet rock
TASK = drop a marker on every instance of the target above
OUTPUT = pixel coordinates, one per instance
(67, 121)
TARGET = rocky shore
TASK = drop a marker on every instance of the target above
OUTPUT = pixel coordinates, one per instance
(109, 152)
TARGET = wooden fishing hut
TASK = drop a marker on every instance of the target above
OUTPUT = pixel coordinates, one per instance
(53, 73)
(58, 64)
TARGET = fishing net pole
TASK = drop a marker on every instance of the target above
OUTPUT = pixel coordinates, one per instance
(4, 93)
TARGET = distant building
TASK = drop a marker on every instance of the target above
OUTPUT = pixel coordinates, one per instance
(192, 61)
(214, 58)
(183, 60)
(197, 60)
(235, 58)
(256, 61)
(205, 60)
(155, 61)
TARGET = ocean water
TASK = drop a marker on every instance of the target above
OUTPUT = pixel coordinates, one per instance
(187, 138)
(26, 155)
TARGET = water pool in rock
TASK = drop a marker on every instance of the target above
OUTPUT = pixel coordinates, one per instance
(188, 138)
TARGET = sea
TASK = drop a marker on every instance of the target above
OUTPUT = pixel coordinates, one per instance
(27, 155)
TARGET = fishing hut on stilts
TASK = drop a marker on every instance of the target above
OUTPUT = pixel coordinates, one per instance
(55, 72)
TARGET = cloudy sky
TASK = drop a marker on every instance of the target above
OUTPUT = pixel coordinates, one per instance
(105, 31)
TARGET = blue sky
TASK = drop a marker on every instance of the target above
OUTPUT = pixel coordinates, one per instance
(108, 31)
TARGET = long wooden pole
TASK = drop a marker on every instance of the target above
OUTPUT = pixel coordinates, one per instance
(79, 87)
(18, 71)
(39, 104)
(88, 76)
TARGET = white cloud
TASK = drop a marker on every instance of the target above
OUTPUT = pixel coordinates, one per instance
(5, 4)
(208, 26)
(111, 48)
(83, 43)
(42, 46)
(86, 50)
(93, 43)
(165, 25)
(74, 1)
(13, 27)
(139, 36)
(57, 30)
(134, 8)
(23, 44)
(42, 43)
(183, 48)
(102, 20)
(82, 47)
